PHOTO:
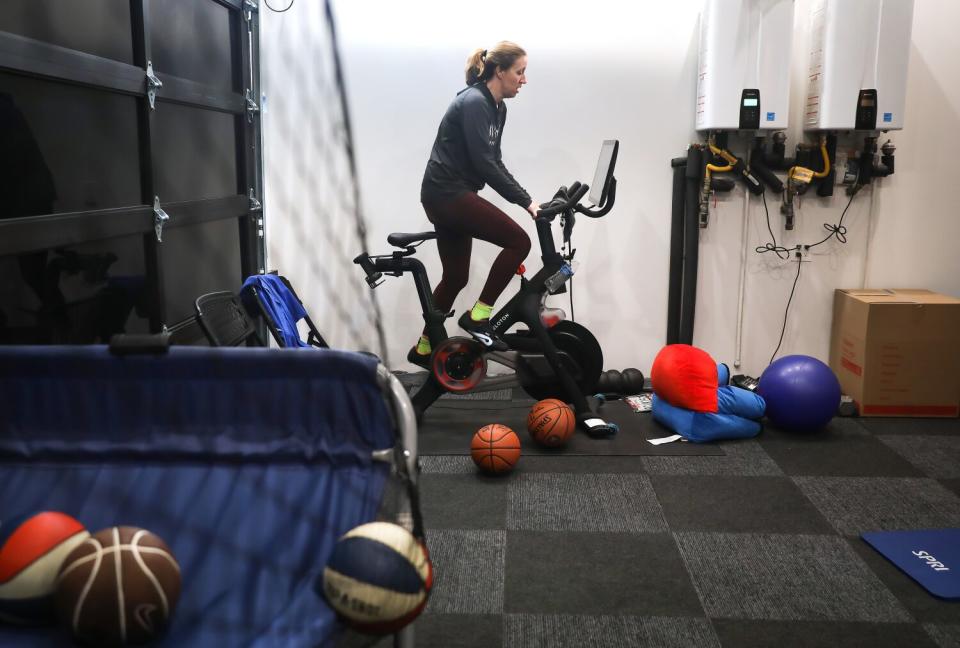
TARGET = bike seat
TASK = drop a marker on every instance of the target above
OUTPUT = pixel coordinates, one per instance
(400, 239)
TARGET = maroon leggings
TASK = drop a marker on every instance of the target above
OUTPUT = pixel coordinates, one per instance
(457, 223)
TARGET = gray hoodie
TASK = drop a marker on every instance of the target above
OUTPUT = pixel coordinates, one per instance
(466, 154)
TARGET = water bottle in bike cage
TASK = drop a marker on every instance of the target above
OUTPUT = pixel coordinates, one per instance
(560, 277)
(550, 317)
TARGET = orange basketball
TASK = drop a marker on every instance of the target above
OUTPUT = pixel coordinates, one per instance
(551, 422)
(495, 448)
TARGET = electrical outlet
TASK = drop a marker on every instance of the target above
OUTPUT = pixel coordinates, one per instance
(803, 252)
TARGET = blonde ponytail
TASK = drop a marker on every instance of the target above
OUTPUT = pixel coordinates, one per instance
(475, 64)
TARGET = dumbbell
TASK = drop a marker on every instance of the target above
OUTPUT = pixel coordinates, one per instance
(628, 381)
(632, 380)
(610, 382)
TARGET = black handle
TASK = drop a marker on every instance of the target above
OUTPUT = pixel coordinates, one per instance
(607, 206)
(578, 193)
(565, 200)
(373, 276)
(363, 260)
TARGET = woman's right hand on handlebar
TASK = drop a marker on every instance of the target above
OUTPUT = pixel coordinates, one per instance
(532, 208)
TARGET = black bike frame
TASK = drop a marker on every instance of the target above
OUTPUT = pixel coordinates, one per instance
(513, 311)
(523, 307)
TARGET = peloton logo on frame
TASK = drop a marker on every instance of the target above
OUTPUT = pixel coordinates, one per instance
(934, 564)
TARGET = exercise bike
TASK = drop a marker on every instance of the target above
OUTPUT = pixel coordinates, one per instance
(563, 360)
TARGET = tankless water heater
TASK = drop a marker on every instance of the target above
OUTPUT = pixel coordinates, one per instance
(744, 73)
(858, 64)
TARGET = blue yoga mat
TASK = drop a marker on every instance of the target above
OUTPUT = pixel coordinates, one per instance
(931, 557)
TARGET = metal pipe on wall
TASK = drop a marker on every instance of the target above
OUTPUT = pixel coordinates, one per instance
(675, 281)
(691, 242)
(743, 273)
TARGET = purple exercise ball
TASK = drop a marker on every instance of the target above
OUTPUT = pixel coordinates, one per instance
(802, 393)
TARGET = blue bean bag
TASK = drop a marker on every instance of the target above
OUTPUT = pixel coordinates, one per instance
(737, 411)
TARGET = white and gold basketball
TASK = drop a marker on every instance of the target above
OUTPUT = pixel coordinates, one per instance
(378, 577)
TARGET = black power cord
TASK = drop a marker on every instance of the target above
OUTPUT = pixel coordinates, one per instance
(567, 250)
(838, 231)
(784, 328)
(780, 251)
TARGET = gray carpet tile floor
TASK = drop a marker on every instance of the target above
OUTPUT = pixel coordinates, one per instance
(468, 567)
(945, 636)
(605, 631)
(936, 456)
(757, 546)
(742, 458)
(854, 505)
(816, 577)
(584, 502)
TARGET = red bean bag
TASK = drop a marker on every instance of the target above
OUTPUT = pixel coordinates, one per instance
(686, 377)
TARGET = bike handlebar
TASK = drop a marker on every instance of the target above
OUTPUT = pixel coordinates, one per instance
(568, 200)
(579, 193)
(607, 204)
(564, 200)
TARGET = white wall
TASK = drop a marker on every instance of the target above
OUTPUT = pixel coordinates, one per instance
(613, 69)
(591, 74)
(918, 221)
(908, 242)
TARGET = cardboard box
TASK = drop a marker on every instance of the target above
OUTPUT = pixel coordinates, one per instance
(897, 352)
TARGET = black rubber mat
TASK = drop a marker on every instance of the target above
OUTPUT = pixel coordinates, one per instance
(449, 425)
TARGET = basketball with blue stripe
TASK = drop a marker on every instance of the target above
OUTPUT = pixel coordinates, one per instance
(378, 577)
(32, 550)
